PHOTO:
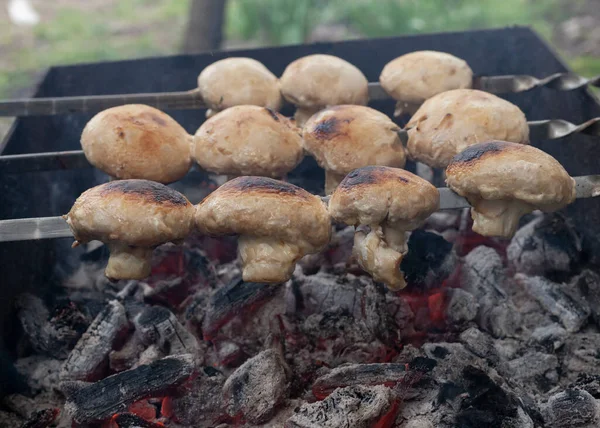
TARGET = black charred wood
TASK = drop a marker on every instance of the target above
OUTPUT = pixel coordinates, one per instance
(89, 359)
(376, 316)
(571, 408)
(159, 325)
(100, 400)
(130, 420)
(587, 285)
(41, 418)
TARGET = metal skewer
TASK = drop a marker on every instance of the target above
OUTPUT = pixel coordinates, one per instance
(587, 186)
(539, 130)
(192, 100)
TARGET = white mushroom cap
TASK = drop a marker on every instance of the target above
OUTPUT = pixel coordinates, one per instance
(415, 77)
(278, 222)
(391, 202)
(238, 81)
(131, 217)
(449, 122)
(503, 181)
(137, 141)
(317, 81)
(248, 140)
(346, 137)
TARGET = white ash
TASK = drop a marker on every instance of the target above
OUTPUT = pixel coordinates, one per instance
(462, 307)
(551, 336)
(41, 373)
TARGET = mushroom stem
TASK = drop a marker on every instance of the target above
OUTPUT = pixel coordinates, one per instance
(332, 180)
(127, 262)
(395, 238)
(303, 114)
(498, 217)
(267, 259)
(378, 259)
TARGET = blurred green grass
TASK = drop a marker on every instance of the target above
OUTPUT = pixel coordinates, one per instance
(136, 28)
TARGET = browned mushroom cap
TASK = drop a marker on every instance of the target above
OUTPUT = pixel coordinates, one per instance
(278, 223)
(503, 181)
(238, 81)
(412, 78)
(137, 141)
(391, 202)
(131, 217)
(248, 140)
(343, 138)
(449, 122)
(317, 81)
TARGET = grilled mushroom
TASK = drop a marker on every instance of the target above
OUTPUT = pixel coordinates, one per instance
(503, 181)
(137, 141)
(248, 140)
(131, 217)
(449, 122)
(343, 138)
(412, 78)
(278, 223)
(238, 81)
(391, 202)
(317, 81)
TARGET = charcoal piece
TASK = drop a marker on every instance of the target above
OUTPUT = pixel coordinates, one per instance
(582, 350)
(230, 354)
(534, 370)
(480, 344)
(202, 403)
(376, 316)
(40, 372)
(88, 360)
(462, 306)
(336, 322)
(419, 422)
(47, 335)
(587, 285)
(100, 400)
(126, 357)
(130, 420)
(588, 382)
(572, 313)
(233, 299)
(257, 387)
(358, 374)
(430, 260)
(546, 246)
(149, 355)
(551, 336)
(41, 418)
(571, 408)
(157, 324)
(353, 406)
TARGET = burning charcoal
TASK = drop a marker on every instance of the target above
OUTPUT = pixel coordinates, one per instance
(234, 299)
(376, 317)
(534, 366)
(88, 360)
(551, 336)
(230, 354)
(100, 400)
(157, 324)
(358, 374)
(588, 382)
(129, 420)
(430, 260)
(151, 354)
(41, 418)
(462, 306)
(583, 354)
(480, 344)
(202, 403)
(418, 423)
(353, 406)
(571, 408)
(573, 313)
(126, 357)
(545, 246)
(587, 285)
(257, 387)
(40, 372)
(336, 322)
(47, 335)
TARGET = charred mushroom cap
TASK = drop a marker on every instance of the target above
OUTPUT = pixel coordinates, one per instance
(238, 81)
(131, 217)
(317, 81)
(248, 140)
(391, 202)
(449, 122)
(412, 78)
(137, 141)
(343, 138)
(503, 181)
(278, 223)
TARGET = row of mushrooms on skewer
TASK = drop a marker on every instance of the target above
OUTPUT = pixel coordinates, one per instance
(359, 148)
